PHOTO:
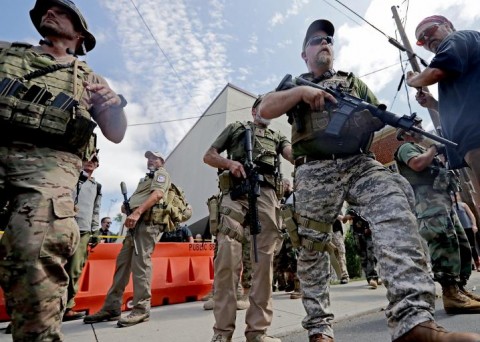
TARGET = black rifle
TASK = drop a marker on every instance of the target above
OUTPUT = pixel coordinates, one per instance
(253, 185)
(128, 211)
(348, 104)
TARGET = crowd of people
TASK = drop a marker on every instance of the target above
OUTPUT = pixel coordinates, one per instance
(269, 234)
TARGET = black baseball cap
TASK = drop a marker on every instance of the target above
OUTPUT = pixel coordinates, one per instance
(317, 25)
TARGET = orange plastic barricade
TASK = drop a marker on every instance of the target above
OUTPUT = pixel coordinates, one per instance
(182, 272)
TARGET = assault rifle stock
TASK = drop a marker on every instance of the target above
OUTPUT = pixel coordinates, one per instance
(348, 104)
(128, 211)
(253, 191)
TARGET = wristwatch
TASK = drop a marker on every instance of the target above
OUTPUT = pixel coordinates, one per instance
(123, 102)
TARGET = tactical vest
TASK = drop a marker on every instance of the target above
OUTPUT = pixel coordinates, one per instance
(425, 177)
(356, 135)
(265, 145)
(46, 110)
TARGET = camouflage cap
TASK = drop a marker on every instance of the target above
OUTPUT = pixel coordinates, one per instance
(41, 6)
(149, 154)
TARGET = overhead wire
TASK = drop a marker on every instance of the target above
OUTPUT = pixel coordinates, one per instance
(165, 55)
(391, 40)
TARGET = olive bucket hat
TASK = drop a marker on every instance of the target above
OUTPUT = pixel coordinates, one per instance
(41, 6)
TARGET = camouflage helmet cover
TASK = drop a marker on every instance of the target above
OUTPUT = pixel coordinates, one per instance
(41, 6)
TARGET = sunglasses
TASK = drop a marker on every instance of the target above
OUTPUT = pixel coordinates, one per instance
(427, 34)
(317, 40)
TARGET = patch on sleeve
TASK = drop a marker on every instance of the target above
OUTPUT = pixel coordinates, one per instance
(161, 179)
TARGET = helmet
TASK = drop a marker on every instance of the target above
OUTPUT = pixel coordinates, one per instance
(41, 6)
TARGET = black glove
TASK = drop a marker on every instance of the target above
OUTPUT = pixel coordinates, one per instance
(440, 149)
(94, 239)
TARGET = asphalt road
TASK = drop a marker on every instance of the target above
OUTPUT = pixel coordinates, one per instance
(373, 327)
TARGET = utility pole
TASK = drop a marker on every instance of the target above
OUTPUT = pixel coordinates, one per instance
(413, 62)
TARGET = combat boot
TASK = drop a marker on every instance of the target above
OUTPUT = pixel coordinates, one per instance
(102, 315)
(320, 338)
(133, 318)
(454, 302)
(220, 338)
(297, 293)
(430, 331)
(209, 304)
(243, 303)
(263, 338)
(469, 294)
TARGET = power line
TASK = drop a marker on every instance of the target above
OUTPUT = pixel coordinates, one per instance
(384, 68)
(391, 40)
(165, 55)
(329, 4)
(187, 118)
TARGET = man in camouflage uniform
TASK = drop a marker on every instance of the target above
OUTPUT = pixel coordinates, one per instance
(365, 249)
(47, 106)
(450, 252)
(285, 262)
(150, 190)
(88, 199)
(232, 226)
(333, 169)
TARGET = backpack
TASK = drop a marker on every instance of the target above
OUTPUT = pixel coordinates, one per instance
(172, 209)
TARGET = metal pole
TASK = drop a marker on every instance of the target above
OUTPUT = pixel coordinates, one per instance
(413, 61)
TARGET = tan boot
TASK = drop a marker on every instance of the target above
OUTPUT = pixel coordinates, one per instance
(297, 293)
(454, 302)
(243, 303)
(320, 338)
(469, 294)
(432, 332)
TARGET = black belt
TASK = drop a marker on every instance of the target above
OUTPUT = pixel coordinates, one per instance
(307, 159)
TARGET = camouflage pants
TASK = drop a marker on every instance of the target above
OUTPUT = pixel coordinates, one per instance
(74, 268)
(367, 256)
(339, 242)
(40, 236)
(228, 264)
(246, 279)
(386, 200)
(450, 252)
(285, 261)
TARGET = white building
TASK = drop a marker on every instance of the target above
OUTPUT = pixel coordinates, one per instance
(185, 163)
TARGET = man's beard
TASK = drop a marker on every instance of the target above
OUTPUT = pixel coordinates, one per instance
(55, 31)
(261, 120)
(323, 59)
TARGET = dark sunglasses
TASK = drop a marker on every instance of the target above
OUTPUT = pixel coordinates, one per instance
(427, 34)
(317, 40)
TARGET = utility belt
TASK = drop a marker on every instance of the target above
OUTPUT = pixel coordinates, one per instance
(227, 183)
(292, 220)
(327, 156)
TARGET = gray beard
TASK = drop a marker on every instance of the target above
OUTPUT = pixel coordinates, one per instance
(323, 60)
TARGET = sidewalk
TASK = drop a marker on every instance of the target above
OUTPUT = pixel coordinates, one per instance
(188, 322)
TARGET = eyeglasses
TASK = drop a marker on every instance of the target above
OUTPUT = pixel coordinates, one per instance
(427, 34)
(317, 40)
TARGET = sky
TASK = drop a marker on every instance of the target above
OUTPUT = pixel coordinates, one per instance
(171, 58)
